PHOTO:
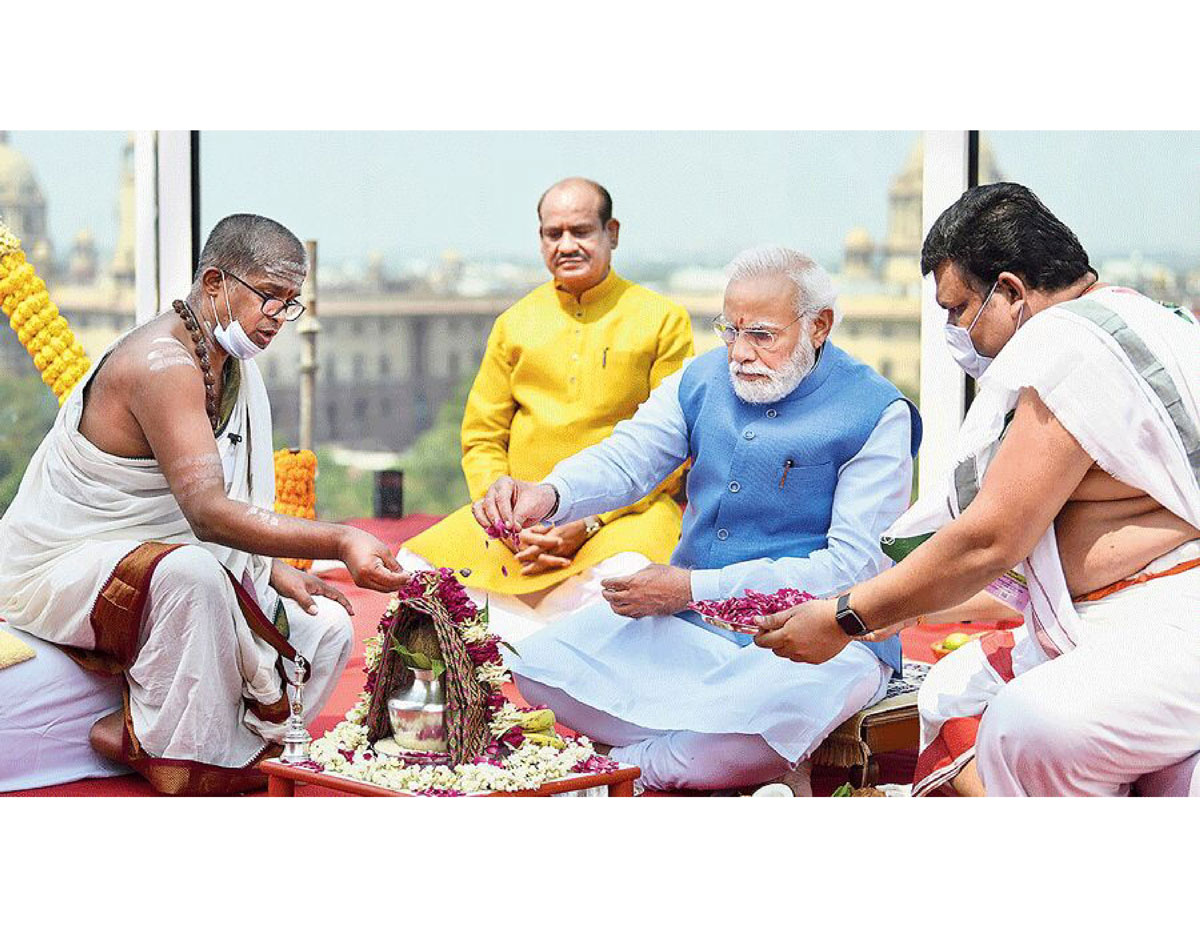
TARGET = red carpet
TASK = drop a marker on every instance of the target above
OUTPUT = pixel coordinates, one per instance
(368, 606)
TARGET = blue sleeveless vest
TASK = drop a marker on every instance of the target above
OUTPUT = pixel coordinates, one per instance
(763, 475)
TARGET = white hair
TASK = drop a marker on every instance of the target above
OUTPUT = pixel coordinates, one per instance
(814, 289)
(779, 381)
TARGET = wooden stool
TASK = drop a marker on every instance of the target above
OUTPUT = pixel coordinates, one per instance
(891, 723)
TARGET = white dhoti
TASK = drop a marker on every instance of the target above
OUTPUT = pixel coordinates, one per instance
(83, 565)
(515, 617)
(1118, 711)
(1088, 696)
(186, 701)
(49, 704)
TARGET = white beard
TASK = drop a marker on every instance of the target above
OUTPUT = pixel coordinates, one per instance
(779, 382)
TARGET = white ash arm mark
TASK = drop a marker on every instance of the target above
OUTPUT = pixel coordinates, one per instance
(170, 354)
(196, 475)
(269, 519)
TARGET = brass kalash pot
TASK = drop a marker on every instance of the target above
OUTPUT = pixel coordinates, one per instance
(417, 711)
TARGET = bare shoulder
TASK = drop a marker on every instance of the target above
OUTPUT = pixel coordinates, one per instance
(149, 373)
(150, 350)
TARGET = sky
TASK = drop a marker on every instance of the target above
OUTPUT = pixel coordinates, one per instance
(681, 196)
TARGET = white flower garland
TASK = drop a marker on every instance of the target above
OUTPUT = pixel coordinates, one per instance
(346, 750)
(529, 767)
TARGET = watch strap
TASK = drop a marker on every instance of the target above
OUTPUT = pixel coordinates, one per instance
(848, 619)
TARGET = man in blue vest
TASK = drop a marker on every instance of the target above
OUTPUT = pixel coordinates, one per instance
(801, 457)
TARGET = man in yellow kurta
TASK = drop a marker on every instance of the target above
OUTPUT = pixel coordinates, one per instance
(562, 367)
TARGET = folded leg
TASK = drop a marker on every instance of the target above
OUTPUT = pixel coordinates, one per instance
(1122, 704)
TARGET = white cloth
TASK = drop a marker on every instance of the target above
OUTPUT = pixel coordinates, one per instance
(515, 617)
(47, 708)
(668, 759)
(49, 704)
(188, 705)
(1123, 704)
(80, 510)
(872, 489)
(1122, 375)
(666, 674)
(1101, 387)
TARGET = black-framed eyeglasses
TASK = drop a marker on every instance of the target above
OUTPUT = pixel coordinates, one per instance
(273, 306)
(762, 339)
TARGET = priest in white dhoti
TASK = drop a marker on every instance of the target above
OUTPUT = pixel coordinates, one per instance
(1078, 462)
(143, 540)
(800, 456)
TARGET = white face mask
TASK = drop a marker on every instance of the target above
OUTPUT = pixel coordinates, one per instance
(233, 339)
(962, 348)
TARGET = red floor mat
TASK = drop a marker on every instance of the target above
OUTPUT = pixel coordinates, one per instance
(368, 606)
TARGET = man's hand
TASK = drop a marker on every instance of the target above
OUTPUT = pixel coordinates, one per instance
(548, 548)
(514, 503)
(300, 587)
(654, 590)
(370, 562)
(806, 633)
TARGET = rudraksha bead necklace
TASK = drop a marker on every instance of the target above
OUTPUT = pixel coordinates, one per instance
(200, 346)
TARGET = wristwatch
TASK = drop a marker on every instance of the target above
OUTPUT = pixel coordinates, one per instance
(847, 618)
(591, 525)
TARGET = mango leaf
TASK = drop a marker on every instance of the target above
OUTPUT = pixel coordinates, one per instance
(414, 660)
(507, 645)
(438, 668)
(843, 791)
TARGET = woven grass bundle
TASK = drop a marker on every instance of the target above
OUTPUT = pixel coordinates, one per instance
(420, 611)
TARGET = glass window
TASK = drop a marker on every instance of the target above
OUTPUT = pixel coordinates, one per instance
(1132, 198)
(69, 198)
(437, 231)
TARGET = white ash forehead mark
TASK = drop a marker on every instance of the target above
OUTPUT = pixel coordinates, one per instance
(288, 273)
(267, 518)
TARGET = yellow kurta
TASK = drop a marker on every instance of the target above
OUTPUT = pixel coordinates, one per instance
(557, 376)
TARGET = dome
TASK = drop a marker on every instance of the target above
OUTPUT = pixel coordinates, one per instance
(17, 180)
(858, 239)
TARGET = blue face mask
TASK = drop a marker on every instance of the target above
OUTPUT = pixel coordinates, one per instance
(963, 349)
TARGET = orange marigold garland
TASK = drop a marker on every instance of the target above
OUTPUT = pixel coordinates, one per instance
(59, 358)
(296, 488)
